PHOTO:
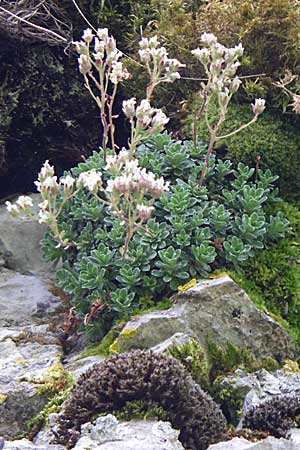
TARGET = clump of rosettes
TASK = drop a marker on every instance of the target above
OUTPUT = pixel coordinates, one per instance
(274, 416)
(146, 376)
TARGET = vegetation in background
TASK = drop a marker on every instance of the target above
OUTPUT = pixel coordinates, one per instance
(272, 138)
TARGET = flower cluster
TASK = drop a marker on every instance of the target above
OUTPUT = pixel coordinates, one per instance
(145, 116)
(221, 64)
(106, 55)
(157, 61)
(134, 179)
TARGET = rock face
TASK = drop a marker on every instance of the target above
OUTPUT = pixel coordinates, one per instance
(20, 242)
(107, 434)
(218, 309)
(270, 443)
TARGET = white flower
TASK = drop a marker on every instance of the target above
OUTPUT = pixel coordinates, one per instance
(88, 35)
(91, 180)
(85, 65)
(209, 39)
(144, 43)
(144, 211)
(12, 209)
(202, 54)
(129, 107)
(24, 202)
(235, 84)
(68, 182)
(45, 217)
(44, 205)
(81, 47)
(118, 72)
(160, 186)
(46, 171)
(99, 46)
(258, 106)
(143, 109)
(102, 33)
(153, 42)
(159, 120)
(145, 55)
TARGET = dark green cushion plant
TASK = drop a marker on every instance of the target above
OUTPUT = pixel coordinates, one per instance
(192, 231)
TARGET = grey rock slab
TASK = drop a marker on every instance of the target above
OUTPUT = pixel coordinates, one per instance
(218, 309)
(25, 444)
(25, 299)
(77, 366)
(20, 247)
(107, 434)
(270, 443)
(23, 366)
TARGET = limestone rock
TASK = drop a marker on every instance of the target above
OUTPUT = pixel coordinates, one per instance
(107, 434)
(77, 366)
(22, 367)
(218, 308)
(270, 443)
(25, 299)
(25, 444)
(176, 339)
(20, 242)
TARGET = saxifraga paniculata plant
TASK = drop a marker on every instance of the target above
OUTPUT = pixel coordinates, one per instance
(146, 376)
(275, 415)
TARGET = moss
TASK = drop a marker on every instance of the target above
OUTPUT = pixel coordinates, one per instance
(114, 347)
(52, 406)
(54, 379)
(291, 366)
(140, 409)
(3, 398)
(206, 365)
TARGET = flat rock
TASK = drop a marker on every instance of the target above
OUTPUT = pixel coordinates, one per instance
(270, 443)
(20, 247)
(107, 434)
(218, 309)
(77, 366)
(25, 444)
(25, 299)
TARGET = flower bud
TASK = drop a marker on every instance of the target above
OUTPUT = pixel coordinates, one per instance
(144, 211)
(129, 107)
(235, 84)
(159, 120)
(258, 106)
(85, 65)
